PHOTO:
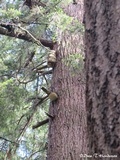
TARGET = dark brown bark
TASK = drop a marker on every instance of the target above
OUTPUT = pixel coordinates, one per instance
(103, 77)
(67, 131)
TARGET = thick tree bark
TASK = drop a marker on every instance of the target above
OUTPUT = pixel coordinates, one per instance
(67, 131)
(102, 22)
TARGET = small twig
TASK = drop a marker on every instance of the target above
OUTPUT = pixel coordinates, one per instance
(8, 140)
(50, 116)
(35, 68)
(20, 119)
(29, 118)
(33, 154)
(42, 73)
(45, 90)
(24, 82)
(45, 79)
(42, 67)
(47, 72)
(31, 56)
(37, 41)
(40, 123)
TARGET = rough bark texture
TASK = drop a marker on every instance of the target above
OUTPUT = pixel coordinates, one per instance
(67, 131)
(102, 40)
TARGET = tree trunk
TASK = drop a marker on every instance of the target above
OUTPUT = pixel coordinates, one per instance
(67, 131)
(102, 27)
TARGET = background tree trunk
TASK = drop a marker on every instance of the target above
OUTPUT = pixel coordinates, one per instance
(103, 77)
(67, 131)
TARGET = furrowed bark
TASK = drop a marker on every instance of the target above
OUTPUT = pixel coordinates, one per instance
(103, 77)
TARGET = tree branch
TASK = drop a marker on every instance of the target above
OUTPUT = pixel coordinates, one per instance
(49, 115)
(29, 59)
(42, 73)
(8, 140)
(25, 36)
(40, 123)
